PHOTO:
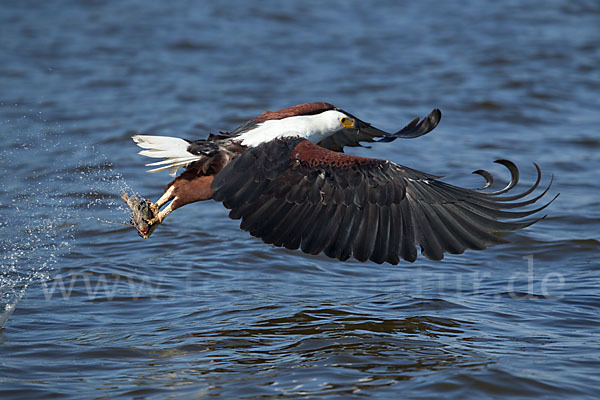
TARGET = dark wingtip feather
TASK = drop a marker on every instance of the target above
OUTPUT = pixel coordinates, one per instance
(415, 128)
(528, 191)
(489, 178)
(514, 176)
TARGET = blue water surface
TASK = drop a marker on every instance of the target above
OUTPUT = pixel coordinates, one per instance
(90, 310)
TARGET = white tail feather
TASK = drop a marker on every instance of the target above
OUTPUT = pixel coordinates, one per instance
(173, 150)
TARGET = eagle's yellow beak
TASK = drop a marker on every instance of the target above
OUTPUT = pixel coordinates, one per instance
(348, 123)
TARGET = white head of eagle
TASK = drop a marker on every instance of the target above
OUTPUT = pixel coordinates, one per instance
(315, 127)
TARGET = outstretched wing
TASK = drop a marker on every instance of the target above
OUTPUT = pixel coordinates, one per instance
(365, 132)
(295, 194)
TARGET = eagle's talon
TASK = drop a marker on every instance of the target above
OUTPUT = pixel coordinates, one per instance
(153, 208)
(154, 221)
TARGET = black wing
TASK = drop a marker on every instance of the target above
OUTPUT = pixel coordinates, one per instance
(365, 132)
(295, 194)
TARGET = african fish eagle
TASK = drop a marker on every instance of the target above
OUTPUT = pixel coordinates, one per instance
(284, 174)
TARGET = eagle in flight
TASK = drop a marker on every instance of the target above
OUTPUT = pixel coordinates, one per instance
(284, 174)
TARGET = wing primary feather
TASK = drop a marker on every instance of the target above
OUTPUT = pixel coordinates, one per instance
(459, 228)
(312, 227)
(426, 237)
(246, 209)
(338, 248)
(347, 247)
(280, 218)
(283, 231)
(270, 223)
(514, 176)
(482, 234)
(490, 224)
(344, 217)
(503, 201)
(489, 178)
(293, 237)
(501, 214)
(253, 220)
(528, 191)
(314, 242)
(382, 239)
(394, 241)
(408, 250)
(447, 240)
(428, 193)
(415, 128)
(330, 232)
(365, 238)
(305, 224)
(247, 194)
(502, 205)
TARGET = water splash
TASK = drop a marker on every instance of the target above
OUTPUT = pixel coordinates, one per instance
(32, 243)
(43, 211)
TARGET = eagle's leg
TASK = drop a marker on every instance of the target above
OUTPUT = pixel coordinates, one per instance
(159, 216)
(167, 196)
(185, 189)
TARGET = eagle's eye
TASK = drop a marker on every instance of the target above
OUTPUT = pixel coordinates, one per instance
(347, 122)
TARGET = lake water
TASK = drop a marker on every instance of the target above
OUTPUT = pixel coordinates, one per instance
(90, 310)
